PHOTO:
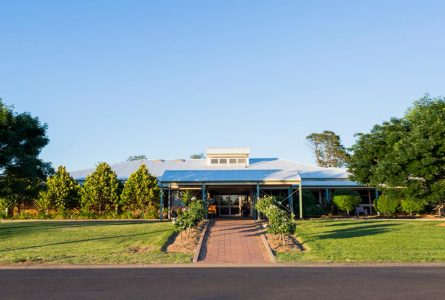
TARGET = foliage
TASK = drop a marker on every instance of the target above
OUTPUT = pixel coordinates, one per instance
(280, 221)
(136, 157)
(100, 190)
(328, 149)
(311, 208)
(346, 200)
(198, 156)
(186, 197)
(62, 192)
(412, 206)
(193, 214)
(407, 153)
(388, 204)
(141, 192)
(22, 172)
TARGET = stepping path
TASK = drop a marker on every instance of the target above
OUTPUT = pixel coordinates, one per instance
(235, 241)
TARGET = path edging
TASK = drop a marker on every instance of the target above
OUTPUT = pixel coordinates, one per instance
(269, 251)
(200, 242)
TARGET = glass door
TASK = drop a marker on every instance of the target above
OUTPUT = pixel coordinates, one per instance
(230, 205)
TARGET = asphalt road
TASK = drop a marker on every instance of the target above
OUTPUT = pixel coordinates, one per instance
(226, 283)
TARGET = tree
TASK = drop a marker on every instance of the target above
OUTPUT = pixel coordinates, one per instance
(328, 149)
(136, 157)
(198, 156)
(141, 191)
(407, 154)
(62, 192)
(346, 200)
(22, 172)
(100, 190)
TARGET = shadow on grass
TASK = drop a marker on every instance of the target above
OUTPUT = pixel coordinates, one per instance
(356, 231)
(83, 240)
(44, 225)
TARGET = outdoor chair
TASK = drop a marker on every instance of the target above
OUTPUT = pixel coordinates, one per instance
(361, 210)
(211, 210)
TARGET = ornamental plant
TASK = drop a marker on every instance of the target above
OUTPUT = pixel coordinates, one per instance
(281, 222)
(191, 216)
(387, 204)
(100, 191)
(141, 192)
(62, 193)
(346, 200)
(412, 206)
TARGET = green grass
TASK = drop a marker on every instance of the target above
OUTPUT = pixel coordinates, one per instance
(87, 242)
(369, 241)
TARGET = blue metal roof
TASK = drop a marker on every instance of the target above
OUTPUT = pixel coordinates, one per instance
(229, 176)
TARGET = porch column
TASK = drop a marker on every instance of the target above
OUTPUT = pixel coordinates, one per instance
(169, 203)
(203, 197)
(291, 199)
(256, 200)
(327, 196)
(376, 194)
(161, 202)
(300, 199)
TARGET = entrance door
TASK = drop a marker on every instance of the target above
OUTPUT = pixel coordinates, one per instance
(230, 205)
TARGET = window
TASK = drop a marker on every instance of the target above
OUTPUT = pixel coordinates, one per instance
(241, 160)
(214, 161)
(232, 161)
(223, 160)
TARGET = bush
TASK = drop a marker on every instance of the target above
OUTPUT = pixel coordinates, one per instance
(346, 200)
(280, 221)
(100, 191)
(412, 206)
(190, 217)
(388, 205)
(310, 206)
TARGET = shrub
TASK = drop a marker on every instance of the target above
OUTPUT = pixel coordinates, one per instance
(100, 191)
(412, 206)
(346, 200)
(280, 221)
(310, 206)
(140, 192)
(387, 204)
(190, 217)
(62, 193)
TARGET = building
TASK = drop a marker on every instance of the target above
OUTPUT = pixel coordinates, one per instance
(233, 180)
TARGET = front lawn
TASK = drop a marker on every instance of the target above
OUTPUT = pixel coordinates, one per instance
(87, 242)
(369, 241)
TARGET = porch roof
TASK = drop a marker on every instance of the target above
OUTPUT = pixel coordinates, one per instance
(209, 176)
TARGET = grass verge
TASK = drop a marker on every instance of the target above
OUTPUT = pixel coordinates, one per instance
(368, 241)
(87, 242)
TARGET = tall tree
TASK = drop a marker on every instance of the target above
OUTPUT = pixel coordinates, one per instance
(141, 191)
(406, 154)
(198, 156)
(62, 192)
(328, 149)
(100, 190)
(22, 172)
(136, 157)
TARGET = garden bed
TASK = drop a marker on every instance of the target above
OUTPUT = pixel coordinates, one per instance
(181, 243)
(290, 244)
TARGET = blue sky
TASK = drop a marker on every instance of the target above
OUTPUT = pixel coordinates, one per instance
(169, 78)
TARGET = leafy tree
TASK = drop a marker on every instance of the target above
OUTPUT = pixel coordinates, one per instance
(136, 157)
(346, 200)
(406, 153)
(100, 190)
(328, 149)
(141, 191)
(198, 156)
(62, 192)
(22, 172)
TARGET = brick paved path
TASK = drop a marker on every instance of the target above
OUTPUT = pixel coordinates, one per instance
(234, 241)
